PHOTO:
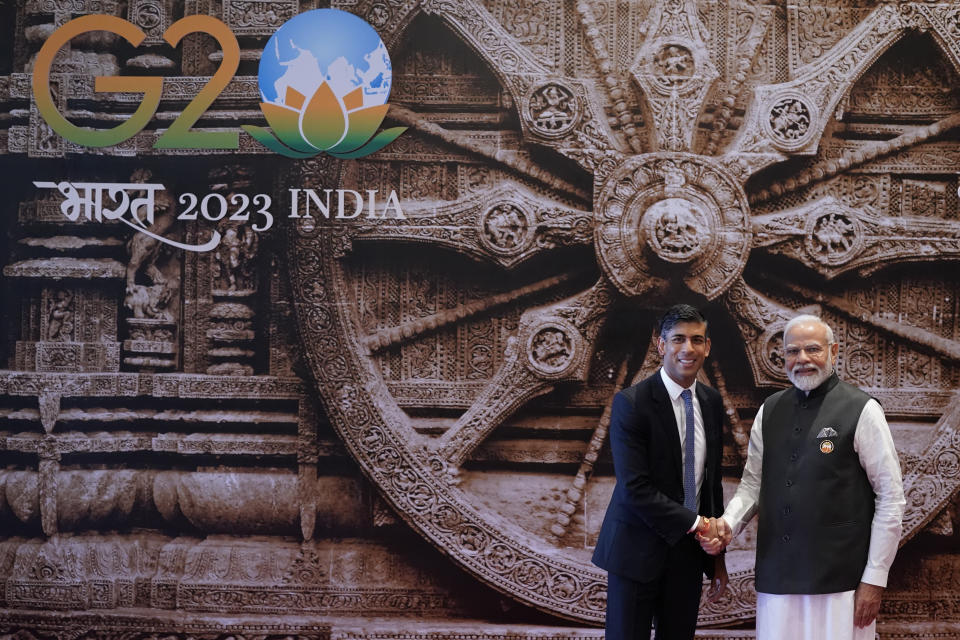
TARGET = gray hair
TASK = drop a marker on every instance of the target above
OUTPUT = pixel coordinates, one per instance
(805, 319)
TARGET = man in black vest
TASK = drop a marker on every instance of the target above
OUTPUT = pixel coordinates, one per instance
(824, 475)
(665, 437)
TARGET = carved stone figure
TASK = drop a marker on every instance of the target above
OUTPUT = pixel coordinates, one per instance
(60, 320)
(834, 234)
(505, 227)
(551, 348)
(233, 266)
(553, 109)
(674, 62)
(676, 227)
(150, 300)
(790, 119)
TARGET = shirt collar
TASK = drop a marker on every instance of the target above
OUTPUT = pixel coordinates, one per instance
(673, 389)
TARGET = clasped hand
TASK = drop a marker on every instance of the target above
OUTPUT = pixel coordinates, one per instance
(718, 536)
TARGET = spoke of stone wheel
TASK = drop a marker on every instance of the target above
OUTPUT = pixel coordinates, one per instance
(916, 337)
(574, 494)
(723, 112)
(390, 336)
(552, 344)
(751, 306)
(506, 225)
(506, 159)
(932, 484)
(756, 316)
(740, 430)
(828, 168)
(622, 117)
(833, 238)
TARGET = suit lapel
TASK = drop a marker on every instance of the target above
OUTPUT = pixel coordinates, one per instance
(668, 420)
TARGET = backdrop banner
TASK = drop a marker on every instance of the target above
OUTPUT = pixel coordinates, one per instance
(313, 314)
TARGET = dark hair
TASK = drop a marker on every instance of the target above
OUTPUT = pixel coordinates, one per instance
(681, 313)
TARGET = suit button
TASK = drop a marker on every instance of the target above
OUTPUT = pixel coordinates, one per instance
(789, 483)
(803, 405)
(796, 429)
(786, 511)
(786, 537)
(793, 457)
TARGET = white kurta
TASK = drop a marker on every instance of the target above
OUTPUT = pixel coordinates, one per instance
(830, 615)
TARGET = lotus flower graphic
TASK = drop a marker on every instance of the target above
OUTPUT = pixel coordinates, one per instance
(324, 79)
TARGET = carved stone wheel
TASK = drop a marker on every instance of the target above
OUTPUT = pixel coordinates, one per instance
(462, 353)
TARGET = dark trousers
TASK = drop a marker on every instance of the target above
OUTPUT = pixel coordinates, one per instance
(670, 602)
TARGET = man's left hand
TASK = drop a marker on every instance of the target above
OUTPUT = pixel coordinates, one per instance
(718, 585)
(866, 603)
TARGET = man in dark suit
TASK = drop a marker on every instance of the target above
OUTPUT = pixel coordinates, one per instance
(665, 438)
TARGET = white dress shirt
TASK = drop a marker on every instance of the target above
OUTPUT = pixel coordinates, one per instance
(699, 434)
(802, 617)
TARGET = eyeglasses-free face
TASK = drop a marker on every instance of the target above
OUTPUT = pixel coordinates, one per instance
(684, 349)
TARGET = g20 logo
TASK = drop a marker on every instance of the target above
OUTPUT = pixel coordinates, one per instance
(324, 80)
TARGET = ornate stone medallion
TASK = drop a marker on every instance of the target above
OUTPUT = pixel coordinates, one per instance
(672, 215)
(790, 120)
(552, 348)
(552, 109)
(833, 236)
(506, 228)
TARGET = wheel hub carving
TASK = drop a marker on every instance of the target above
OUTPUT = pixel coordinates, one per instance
(658, 211)
(671, 229)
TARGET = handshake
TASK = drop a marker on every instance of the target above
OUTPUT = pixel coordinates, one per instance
(713, 534)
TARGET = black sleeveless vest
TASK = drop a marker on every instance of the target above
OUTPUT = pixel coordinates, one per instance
(816, 503)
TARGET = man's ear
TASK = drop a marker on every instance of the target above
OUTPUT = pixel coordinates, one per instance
(661, 347)
(834, 350)
(706, 353)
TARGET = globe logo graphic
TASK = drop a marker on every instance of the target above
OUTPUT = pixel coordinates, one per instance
(324, 81)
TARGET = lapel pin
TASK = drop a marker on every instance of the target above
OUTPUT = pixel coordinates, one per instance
(826, 446)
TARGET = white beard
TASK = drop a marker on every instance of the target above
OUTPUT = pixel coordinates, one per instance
(810, 382)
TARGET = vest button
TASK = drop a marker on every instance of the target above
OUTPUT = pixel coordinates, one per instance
(786, 537)
(794, 456)
(803, 405)
(786, 511)
(789, 483)
(796, 429)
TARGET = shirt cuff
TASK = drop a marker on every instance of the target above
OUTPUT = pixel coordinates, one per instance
(875, 576)
(696, 523)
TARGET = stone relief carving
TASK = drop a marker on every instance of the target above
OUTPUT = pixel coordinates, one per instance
(233, 267)
(60, 318)
(569, 169)
(552, 109)
(789, 120)
(505, 228)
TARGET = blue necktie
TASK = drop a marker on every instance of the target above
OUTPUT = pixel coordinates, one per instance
(689, 464)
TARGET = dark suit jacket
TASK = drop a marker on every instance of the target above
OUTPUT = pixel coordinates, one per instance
(646, 513)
